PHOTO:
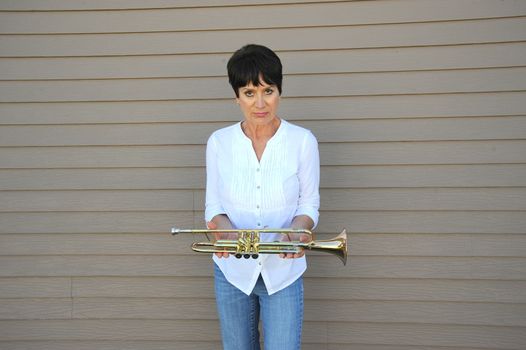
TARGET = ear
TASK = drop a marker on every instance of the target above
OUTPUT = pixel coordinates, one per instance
(237, 100)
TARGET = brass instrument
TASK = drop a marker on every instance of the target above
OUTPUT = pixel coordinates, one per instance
(248, 244)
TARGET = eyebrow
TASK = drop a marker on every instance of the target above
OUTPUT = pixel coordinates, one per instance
(264, 86)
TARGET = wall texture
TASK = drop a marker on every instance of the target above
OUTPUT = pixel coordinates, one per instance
(419, 107)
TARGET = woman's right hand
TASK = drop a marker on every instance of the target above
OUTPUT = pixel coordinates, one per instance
(211, 225)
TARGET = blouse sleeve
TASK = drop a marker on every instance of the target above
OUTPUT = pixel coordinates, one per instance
(309, 179)
(213, 205)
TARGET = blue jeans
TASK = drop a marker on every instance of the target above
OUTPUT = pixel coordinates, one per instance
(281, 315)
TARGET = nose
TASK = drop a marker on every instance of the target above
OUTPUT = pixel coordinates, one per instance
(260, 101)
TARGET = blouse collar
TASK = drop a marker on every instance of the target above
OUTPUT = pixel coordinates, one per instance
(281, 130)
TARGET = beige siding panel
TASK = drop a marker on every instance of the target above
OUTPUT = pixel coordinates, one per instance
(341, 37)
(315, 108)
(404, 176)
(429, 129)
(381, 83)
(105, 179)
(294, 62)
(248, 17)
(108, 134)
(116, 67)
(109, 330)
(493, 268)
(491, 175)
(500, 291)
(151, 308)
(35, 309)
(73, 5)
(420, 267)
(99, 222)
(424, 199)
(105, 243)
(118, 345)
(419, 312)
(423, 335)
(422, 222)
(48, 287)
(438, 244)
(138, 200)
(103, 157)
(104, 265)
(491, 245)
(396, 347)
(142, 287)
(115, 345)
(452, 152)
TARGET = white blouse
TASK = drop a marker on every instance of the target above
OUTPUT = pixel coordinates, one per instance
(262, 194)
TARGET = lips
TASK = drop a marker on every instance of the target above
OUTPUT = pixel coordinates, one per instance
(260, 114)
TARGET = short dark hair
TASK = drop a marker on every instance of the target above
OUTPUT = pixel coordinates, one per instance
(249, 63)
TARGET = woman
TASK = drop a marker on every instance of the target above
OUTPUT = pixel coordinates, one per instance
(262, 172)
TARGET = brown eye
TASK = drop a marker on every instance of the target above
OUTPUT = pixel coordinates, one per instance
(269, 91)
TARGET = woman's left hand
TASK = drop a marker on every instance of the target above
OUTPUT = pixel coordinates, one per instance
(299, 222)
(302, 238)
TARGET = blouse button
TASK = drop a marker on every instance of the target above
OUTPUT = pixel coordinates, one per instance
(258, 187)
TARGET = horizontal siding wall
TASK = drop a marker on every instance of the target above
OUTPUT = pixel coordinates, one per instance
(419, 108)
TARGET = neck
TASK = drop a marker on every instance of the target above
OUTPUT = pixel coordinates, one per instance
(256, 132)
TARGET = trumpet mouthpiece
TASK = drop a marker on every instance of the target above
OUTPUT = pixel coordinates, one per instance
(175, 230)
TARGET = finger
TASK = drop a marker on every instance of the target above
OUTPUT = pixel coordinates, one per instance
(211, 225)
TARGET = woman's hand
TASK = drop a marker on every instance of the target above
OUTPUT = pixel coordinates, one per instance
(295, 237)
(300, 222)
(212, 225)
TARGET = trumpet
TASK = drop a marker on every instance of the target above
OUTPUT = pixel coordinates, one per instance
(249, 244)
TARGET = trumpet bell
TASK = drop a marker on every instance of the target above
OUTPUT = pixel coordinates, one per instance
(336, 246)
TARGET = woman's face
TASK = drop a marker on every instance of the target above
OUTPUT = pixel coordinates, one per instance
(259, 104)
